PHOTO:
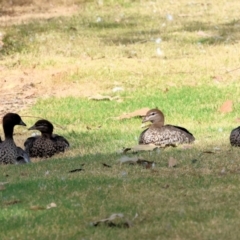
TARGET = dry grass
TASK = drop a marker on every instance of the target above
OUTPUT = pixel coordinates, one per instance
(199, 47)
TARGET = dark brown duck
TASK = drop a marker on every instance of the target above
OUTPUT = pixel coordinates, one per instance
(163, 135)
(235, 137)
(47, 144)
(9, 152)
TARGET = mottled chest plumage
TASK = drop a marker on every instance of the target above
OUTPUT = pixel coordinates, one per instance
(42, 148)
(8, 152)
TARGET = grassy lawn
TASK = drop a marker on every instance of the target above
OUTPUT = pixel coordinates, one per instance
(182, 57)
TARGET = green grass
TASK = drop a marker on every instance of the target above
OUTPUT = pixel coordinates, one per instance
(197, 199)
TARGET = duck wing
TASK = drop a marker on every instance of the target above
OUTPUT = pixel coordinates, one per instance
(61, 143)
(183, 130)
(22, 156)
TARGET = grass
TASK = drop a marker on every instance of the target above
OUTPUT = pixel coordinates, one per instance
(115, 44)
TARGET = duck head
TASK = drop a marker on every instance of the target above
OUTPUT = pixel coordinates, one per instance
(154, 116)
(13, 119)
(9, 121)
(44, 126)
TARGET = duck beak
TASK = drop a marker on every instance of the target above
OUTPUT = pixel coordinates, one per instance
(22, 123)
(32, 128)
(145, 119)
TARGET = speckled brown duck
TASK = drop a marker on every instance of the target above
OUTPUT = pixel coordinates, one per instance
(9, 152)
(163, 135)
(47, 144)
(235, 137)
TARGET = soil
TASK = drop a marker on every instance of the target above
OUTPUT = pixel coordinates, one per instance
(22, 87)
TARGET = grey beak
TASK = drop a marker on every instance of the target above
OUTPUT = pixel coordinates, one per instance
(22, 123)
(32, 128)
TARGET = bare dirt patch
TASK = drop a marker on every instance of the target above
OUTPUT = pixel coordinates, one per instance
(21, 87)
(20, 15)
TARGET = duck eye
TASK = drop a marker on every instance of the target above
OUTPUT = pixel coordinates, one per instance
(152, 114)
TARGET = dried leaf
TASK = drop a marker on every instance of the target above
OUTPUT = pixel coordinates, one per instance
(223, 171)
(138, 148)
(217, 79)
(117, 89)
(126, 149)
(203, 34)
(194, 161)
(100, 97)
(76, 170)
(142, 147)
(172, 162)
(126, 159)
(37, 208)
(24, 174)
(136, 160)
(145, 163)
(187, 146)
(226, 107)
(165, 90)
(106, 165)
(90, 128)
(3, 183)
(119, 100)
(123, 150)
(11, 202)
(138, 113)
(208, 152)
(190, 15)
(51, 205)
(115, 220)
